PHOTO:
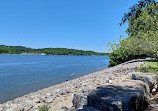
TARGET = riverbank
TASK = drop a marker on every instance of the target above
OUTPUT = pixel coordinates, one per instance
(59, 97)
(53, 55)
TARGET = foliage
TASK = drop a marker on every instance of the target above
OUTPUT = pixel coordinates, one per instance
(48, 51)
(136, 9)
(121, 54)
(142, 40)
(143, 32)
(14, 49)
(43, 108)
(146, 22)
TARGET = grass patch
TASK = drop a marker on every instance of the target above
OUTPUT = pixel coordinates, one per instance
(43, 108)
(150, 67)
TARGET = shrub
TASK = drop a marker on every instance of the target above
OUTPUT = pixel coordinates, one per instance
(43, 108)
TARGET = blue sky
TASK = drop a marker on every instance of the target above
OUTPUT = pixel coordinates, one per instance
(78, 24)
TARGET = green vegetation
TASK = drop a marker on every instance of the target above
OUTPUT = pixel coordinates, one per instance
(142, 40)
(150, 67)
(130, 77)
(43, 108)
(135, 10)
(48, 51)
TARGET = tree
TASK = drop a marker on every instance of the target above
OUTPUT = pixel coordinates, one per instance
(135, 10)
(143, 32)
(146, 22)
(142, 40)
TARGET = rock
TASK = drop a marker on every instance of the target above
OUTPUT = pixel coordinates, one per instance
(67, 90)
(79, 100)
(28, 108)
(57, 90)
(11, 109)
(63, 92)
(15, 109)
(148, 78)
(110, 81)
(49, 99)
(84, 84)
(34, 109)
(27, 105)
(127, 96)
(48, 94)
(18, 109)
(37, 100)
(70, 109)
(65, 108)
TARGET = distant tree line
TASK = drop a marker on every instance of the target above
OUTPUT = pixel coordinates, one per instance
(48, 51)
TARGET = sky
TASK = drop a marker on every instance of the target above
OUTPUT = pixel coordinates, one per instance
(77, 24)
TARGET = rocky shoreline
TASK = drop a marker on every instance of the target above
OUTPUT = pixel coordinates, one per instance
(59, 97)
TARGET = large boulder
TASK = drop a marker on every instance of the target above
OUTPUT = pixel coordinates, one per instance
(148, 78)
(126, 96)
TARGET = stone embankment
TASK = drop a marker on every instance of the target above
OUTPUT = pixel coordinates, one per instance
(110, 89)
(128, 95)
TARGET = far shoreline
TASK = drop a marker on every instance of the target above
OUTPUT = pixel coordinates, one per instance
(53, 55)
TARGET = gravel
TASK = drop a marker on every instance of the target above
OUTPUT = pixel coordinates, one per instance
(59, 97)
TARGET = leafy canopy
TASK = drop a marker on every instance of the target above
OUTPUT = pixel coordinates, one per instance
(135, 10)
(142, 40)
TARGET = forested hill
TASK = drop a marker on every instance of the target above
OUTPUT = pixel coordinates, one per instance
(45, 51)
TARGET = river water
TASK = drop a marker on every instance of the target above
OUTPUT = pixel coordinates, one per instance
(22, 74)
